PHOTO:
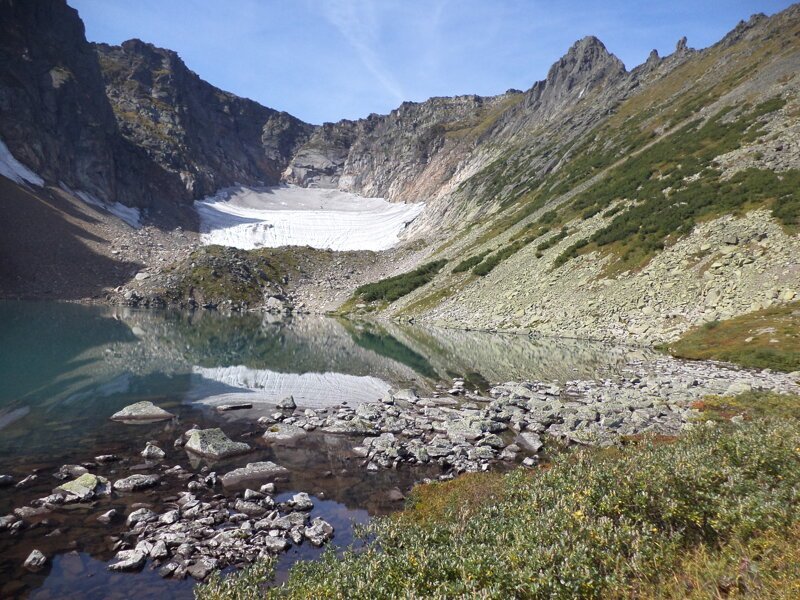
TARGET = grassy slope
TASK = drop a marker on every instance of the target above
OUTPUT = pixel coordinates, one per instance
(764, 339)
(650, 520)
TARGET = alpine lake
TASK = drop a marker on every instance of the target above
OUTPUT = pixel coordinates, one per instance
(66, 368)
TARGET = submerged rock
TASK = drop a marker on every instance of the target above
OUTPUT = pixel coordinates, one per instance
(67, 471)
(107, 516)
(237, 406)
(142, 411)
(257, 471)
(213, 443)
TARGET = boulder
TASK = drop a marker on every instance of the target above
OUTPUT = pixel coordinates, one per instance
(70, 471)
(213, 443)
(141, 514)
(142, 411)
(152, 452)
(287, 403)
(253, 472)
(301, 501)
(251, 509)
(281, 432)
(530, 441)
(84, 488)
(738, 387)
(127, 560)
(273, 545)
(319, 532)
(202, 568)
(136, 482)
(407, 395)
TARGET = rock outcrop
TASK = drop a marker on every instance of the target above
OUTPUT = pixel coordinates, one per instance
(54, 114)
(209, 138)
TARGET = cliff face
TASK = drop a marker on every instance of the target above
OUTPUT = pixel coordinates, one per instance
(54, 115)
(209, 138)
(129, 124)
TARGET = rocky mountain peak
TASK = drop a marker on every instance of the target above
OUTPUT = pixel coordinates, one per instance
(587, 65)
(586, 56)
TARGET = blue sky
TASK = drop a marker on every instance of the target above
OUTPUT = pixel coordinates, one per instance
(324, 60)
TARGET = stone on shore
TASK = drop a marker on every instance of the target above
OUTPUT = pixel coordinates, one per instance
(355, 426)
(530, 441)
(35, 561)
(127, 560)
(213, 443)
(253, 472)
(202, 568)
(142, 411)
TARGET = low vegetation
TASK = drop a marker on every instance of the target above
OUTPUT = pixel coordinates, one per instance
(674, 185)
(764, 339)
(652, 519)
(393, 288)
(468, 263)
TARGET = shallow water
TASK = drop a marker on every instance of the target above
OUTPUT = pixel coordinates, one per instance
(65, 369)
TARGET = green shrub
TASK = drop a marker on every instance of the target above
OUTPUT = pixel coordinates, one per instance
(468, 263)
(392, 288)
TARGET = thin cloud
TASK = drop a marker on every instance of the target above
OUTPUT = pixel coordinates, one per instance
(358, 23)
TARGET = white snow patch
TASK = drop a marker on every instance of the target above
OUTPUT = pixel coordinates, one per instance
(294, 216)
(130, 215)
(310, 390)
(13, 169)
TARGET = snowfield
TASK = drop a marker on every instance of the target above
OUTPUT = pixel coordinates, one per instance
(310, 390)
(293, 216)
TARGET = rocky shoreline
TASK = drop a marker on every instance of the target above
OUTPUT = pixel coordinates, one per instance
(234, 518)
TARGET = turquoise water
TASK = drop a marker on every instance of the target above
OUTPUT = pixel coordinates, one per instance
(66, 368)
